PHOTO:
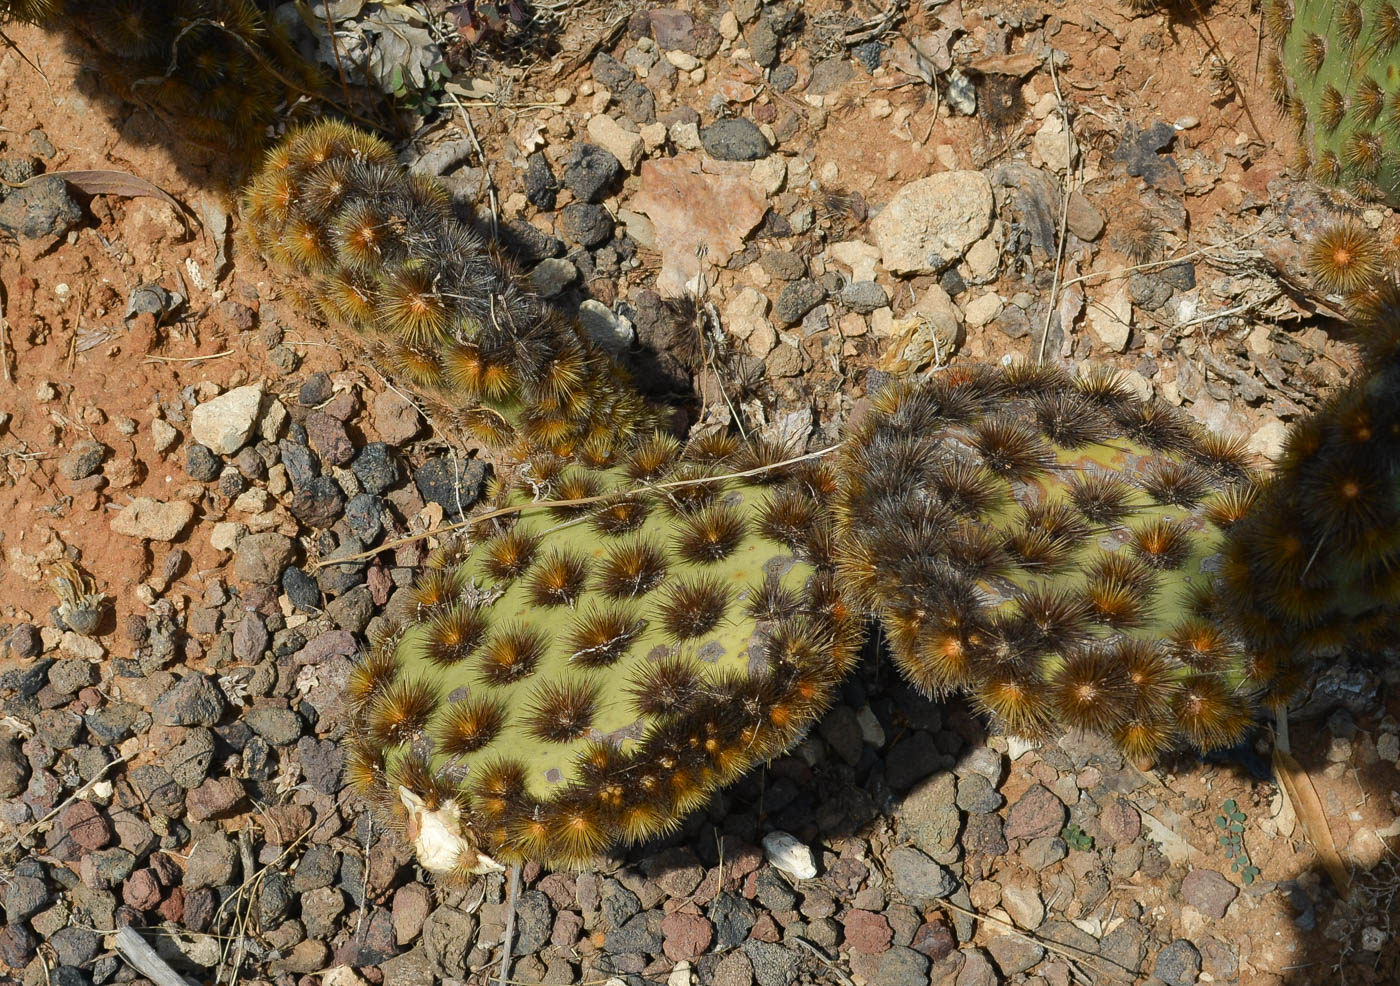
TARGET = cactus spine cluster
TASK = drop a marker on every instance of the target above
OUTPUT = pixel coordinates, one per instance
(219, 68)
(1335, 76)
(588, 674)
(1048, 544)
(381, 253)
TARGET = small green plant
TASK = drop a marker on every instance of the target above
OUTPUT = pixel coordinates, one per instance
(1076, 838)
(420, 99)
(1232, 822)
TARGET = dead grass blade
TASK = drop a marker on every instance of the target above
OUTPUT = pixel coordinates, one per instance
(1307, 806)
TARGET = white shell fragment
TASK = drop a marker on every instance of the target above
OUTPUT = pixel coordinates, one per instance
(789, 855)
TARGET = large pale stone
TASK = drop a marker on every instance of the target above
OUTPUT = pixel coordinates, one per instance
(691, 209)
(153, 520)
(859, 256)
(1112, 320)
(225, 423)
(931, 222)
(746, 318)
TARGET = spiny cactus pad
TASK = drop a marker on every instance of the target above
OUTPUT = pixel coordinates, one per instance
(381, 253)
(219, 68)
(28, 11)
(1316, 564)
(1336, 75)
(1049, 545)
(589, 674)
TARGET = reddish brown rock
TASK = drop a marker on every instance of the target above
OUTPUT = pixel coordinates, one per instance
(1208, 892)
(685, 936)
(141, 890)
(216, 797)
(1037, 813)
(173, 907)
(86, 825)
(410, 909)
(1119, 823)
(690, 209)
(935, 939)
(867, 932)
(766, 929)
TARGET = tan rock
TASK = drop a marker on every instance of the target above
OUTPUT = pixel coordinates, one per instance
(691, 209)
(1112, 320)
(153, 520)
(933, 221)
(622, 144)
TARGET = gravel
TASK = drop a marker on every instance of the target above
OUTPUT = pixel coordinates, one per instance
(23, 897)
(734, 139)
(733, 917)
(797, 299)
(864, 296)
(279, 726)
(84, 460)
(40, 210)
(918, 878)
(194, 701)
(976, 794)
(376, 468)
(189, 762)
(301, 589)
(1178, 964)
(318, 503)
(541, 185)
(447, 936)
(587, 224)
(452, 484)
(590, 172)
(260, 558)
(773, 965)
(362, 513)
(213, 862)
(316, 390)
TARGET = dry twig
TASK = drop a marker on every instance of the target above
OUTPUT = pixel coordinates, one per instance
(578, 502)
(1055, 285)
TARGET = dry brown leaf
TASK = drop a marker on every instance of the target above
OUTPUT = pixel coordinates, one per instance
(1308, 807)
(105, 182)
(1020, 64)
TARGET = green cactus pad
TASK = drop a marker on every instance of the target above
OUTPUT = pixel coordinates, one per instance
(1336, 75)
(380, 252)
(1049, 545)
(589, 674)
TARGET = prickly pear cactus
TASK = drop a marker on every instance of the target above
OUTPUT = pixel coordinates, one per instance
(588, 674)
(1336, 75)
(380, 252)
(27, 11)
(1049, 545)
(219, 68)
(1315, 565)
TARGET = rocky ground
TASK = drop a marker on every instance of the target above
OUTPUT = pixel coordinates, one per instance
(843, 195)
